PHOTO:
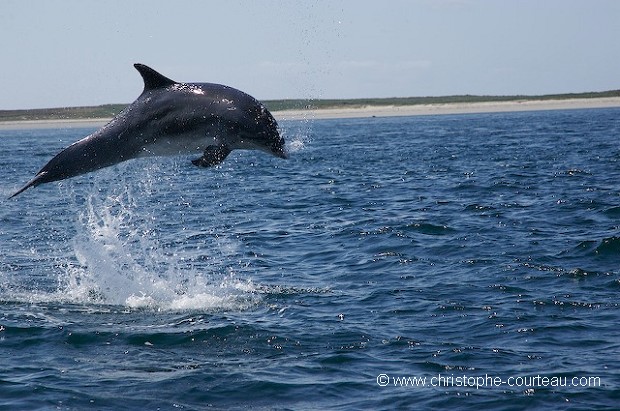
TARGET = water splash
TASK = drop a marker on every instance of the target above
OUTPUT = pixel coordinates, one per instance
(124, 259)
(297, 134)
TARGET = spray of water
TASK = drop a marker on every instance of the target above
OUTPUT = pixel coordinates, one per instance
(124, 258)
(297, 134)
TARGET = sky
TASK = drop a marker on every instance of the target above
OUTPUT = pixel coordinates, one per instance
(80, 52)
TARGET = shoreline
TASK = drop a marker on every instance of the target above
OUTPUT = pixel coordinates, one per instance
(449, 108)
(369, 111)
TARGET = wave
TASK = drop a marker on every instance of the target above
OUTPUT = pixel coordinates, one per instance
(430, 228)
(607, 247)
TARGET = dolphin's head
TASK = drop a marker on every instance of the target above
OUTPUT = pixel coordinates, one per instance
(246, 122)
(262, 131)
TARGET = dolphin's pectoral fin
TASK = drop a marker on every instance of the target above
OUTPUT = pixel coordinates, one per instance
(212, 156)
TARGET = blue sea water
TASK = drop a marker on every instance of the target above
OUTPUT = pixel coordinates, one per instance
(434, 262)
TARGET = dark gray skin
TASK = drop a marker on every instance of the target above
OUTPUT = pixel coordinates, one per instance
(171, 118)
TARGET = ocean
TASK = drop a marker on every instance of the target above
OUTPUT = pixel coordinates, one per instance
(431, 262)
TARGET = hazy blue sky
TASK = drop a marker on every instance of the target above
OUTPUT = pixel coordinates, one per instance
(65, 53)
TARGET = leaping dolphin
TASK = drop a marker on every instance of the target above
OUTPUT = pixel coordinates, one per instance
(171, 118)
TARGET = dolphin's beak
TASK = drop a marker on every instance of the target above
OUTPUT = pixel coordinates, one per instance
(279, 150)
(282, 154)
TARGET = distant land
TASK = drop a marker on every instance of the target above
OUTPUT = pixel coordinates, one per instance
(110, 110)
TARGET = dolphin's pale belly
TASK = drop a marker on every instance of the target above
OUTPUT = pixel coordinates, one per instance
(190, 143)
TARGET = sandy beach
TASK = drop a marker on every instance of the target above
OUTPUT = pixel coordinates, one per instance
(371, 111)
(449, 108)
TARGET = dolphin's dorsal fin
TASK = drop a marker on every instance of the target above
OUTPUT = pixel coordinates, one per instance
(152, 79)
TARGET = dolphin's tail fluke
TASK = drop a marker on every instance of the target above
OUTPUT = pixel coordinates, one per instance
(32, 183)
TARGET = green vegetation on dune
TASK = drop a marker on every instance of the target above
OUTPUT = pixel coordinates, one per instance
(110, 110)
(278, 105)
(62, 113)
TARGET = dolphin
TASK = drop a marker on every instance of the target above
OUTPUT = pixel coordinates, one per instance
(171, 118)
